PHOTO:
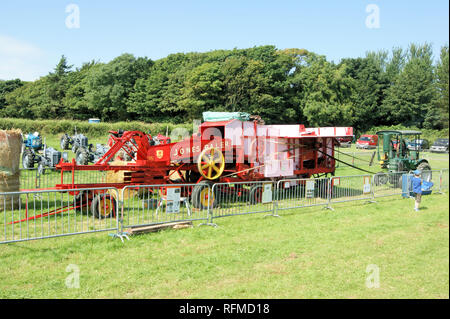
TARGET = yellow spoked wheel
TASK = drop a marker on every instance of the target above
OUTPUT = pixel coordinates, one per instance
(211, 163)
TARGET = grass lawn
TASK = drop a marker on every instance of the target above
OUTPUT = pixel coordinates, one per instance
(307, 253)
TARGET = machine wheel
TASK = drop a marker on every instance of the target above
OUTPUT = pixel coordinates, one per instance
(83, 200)
(321, 188)
(82, 156)
(127, 157)
(200, 196)
(103, 206)
(207, 163)
(428, 175)
(27, 159)
(64, 142)
(395, 178)
(255, 194)
(380, 178)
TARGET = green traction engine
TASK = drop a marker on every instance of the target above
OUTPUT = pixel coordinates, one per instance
(395, 156)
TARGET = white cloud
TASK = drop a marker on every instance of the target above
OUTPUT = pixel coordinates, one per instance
(20, 60)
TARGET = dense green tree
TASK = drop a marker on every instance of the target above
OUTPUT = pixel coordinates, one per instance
(438, 116)
(413, 93)
(282, 86)
(109, 85)
(325, 92)
(367, 93)
(5, 88)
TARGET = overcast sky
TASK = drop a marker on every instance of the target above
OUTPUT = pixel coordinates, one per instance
(34, 34)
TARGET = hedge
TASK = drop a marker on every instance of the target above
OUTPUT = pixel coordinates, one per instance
(89, 129)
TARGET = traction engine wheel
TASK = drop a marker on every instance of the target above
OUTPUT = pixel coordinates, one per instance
(255, 194)
(103, 206)
(211, 163)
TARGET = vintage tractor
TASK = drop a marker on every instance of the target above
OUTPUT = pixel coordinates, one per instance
(77, 141)
(395, 157)
(84, 155)
(34, 151)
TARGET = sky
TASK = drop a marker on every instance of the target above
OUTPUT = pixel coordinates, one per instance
(35, 34)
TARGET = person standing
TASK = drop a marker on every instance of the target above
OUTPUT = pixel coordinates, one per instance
(417, 188)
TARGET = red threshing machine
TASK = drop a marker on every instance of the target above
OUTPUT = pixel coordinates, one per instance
(225, 152)
(221, 152)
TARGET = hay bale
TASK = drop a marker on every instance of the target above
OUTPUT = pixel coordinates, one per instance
(119, 177)
(10, 149)
(9, 183)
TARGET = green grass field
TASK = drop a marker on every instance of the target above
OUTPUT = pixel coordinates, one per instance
(307, 253)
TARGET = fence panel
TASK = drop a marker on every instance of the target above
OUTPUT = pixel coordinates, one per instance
(241, 198)
(387, 184)
(435, 177)
(297, 193)
(157, 204)
(351, 188)
(31, 179)
(51, 213)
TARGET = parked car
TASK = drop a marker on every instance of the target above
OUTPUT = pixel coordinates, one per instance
(418, 145)
(367, 141)
(345, 141)
(440, 146)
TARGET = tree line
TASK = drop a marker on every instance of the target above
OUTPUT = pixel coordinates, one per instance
(402, 86)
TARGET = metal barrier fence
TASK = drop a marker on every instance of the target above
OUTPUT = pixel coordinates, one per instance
(387, 184)
(297, 193)
(242, 198)
(351, 188)
(36, 214)
(53, 213)
(157, 204)
(31, 178)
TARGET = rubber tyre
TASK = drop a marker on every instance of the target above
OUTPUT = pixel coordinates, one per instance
(104, 199)
(64, 142)
(425, 167)
(82, 156)
(381, 178)
(127, 157)
(196, 196)
(27, 159)
(255, 194)
(321, 188)
(82, 200)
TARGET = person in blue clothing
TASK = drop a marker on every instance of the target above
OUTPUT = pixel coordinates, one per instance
(417, 189)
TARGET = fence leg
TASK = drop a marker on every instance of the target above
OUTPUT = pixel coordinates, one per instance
(330, 181)
(120, 233)
(274, 210)
(372, 190)
(440, 182)
(209, 217)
